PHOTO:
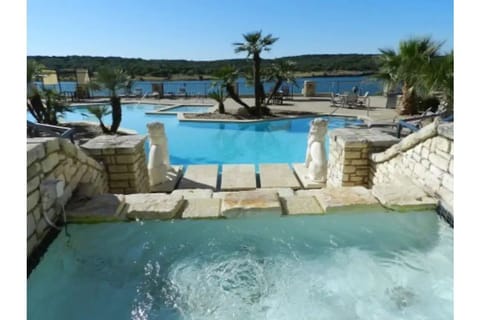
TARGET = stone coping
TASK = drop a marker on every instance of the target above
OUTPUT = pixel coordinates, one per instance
(181, 117)
(408, 142)
(166, 109)
(198, 204)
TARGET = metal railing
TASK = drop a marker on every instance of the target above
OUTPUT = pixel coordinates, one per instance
(42, 130)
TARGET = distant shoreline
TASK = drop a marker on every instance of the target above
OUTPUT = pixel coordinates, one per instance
(316, 74)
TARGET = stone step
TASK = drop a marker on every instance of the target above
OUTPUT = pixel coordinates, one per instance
(277, 175)
(197, 208)
(297, 205)
(252, 202)
(238, 177)
(200, 177)
(345, 199)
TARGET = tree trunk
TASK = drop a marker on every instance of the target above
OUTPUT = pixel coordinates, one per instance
(221, 107)
(256, 80)
(277, 85)
(36, 108)
(235, 97)
(409, 100)
(116, 113)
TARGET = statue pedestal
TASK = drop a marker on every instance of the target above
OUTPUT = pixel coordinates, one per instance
(172, 177)
(302, 174)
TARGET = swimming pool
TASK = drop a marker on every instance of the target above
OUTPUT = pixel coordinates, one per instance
(338, 266)
(280, 141)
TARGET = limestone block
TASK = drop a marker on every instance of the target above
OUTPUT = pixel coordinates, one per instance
(108, 151)
(122, 176)
(68, 148)
(352, 155)
(32, 243)
(446, 196)
(441, 144)
(32, 200)
(198, 208)
(33, 170)
(33, 184)
(152, 206)
(117, 168)
(446, 130)
(99, 208)
(425, 152)
(126, 159)
(82, 157)
(295, 205)
(403, 197)
(346, 198)
(243, 203)
(193, 193)
(126, 151)
(35, 151)
(284, 192)
(439, 161)
(450, 167)
(30, 225)
(41, 228)
(50, 162)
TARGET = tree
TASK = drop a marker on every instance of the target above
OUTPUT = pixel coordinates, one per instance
(226, 78)
(408, 67)
(112, 79)
(45, 106)
(280, 72)
(254, 45)
(439, 77)
(99, 112)
(219, 96)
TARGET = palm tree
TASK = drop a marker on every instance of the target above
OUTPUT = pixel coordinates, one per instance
(280, 72)
(47, 105)
(407, 66)
(34, 99)
(254, 44)
(226, 78)
(219, 96)
(439, 77)
(112, 79)
(99, 112)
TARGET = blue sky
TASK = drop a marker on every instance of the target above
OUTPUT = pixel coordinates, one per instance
(206, 29)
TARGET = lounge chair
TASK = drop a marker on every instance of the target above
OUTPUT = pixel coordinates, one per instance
(182, 92)
(416, 123)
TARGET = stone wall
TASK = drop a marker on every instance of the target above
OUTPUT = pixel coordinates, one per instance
(124, 160)
(56, 169)
(348, 161)
(425, 157)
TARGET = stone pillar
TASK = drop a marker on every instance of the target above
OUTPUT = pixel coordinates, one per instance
(348, 163)
(316, 159)
(309, 88)
(124, 159)
(158, 158)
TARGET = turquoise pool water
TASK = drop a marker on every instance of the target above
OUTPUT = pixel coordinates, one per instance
(191, 108)
(340, 266)
(282, 141)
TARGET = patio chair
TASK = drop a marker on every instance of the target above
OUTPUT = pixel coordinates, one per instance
(182, 92)
(351, 99)
(363, 101)
(335, 100)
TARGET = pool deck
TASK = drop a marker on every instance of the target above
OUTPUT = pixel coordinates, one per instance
(376, 112)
